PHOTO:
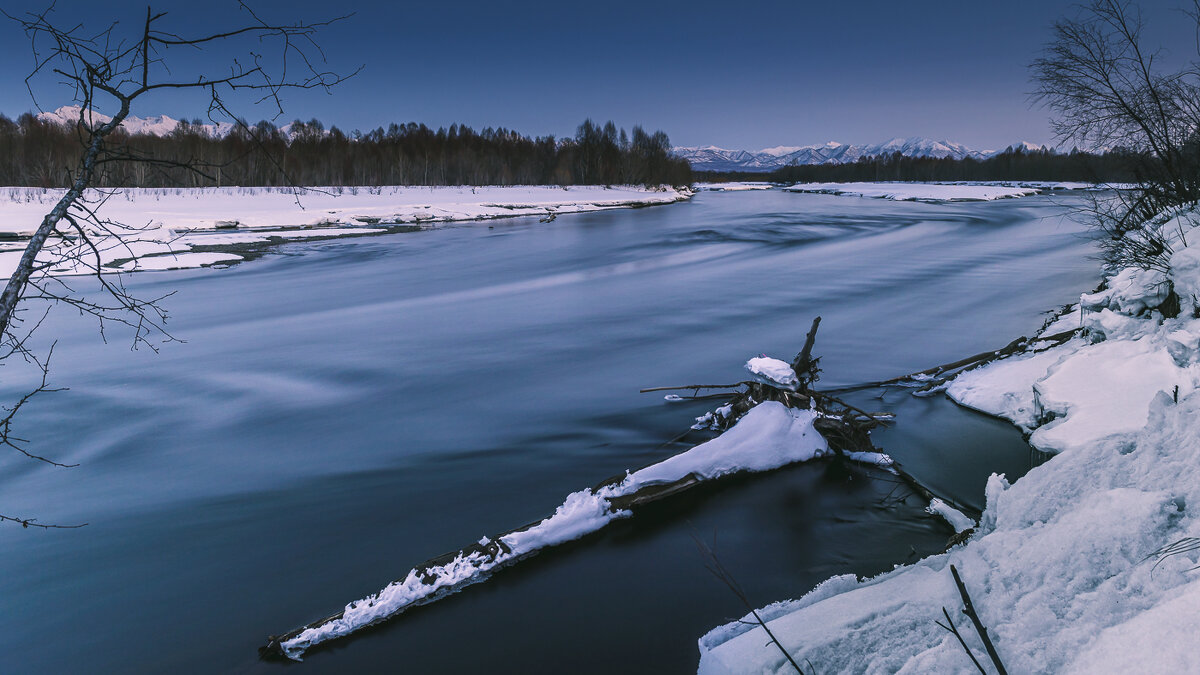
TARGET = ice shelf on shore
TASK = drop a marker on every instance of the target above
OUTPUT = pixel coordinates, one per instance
(1066, 567)
(923, 192)
(174, 222)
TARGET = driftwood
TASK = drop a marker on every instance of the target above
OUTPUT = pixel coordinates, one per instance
(493, 555)
(844, 426)
(1021, 344)
(488, 554)
(692, 386)
(942, 372)
(803, 364)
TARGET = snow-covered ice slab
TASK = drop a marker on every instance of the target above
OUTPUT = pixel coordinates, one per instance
(1005, 388)
(767, 437)
(925, 192)
(1103, 390)
(176, 220)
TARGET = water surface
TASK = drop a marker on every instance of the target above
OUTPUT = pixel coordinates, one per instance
(343, 410)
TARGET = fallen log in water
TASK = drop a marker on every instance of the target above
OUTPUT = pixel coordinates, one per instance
(939, 374)
(768, 426)
(453, 571)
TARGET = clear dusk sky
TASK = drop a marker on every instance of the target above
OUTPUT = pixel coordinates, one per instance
(734, 74)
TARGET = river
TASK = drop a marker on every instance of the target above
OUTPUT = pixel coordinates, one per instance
(342, 410)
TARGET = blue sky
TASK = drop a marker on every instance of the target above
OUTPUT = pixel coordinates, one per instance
(739, 75)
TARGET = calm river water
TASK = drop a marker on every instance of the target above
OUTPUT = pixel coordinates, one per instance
(342, 410)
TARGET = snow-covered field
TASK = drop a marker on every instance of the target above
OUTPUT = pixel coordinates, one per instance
(924, 192)
(732, 186)
(1066, 568)
(162, 227)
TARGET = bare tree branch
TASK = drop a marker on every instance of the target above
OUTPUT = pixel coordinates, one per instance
(113, 70)
(1103, 85)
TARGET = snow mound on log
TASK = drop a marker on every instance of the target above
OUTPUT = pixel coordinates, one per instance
(773, 371)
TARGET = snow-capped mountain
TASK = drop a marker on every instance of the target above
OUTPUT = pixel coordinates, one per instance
(712, 158)
(158, 125)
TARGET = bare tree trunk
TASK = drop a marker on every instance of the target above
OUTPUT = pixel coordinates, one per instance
(20, 276)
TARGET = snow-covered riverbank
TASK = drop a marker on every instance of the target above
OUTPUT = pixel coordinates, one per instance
(168, 225)
(1066, 568)
(922, 192)
(733, 186)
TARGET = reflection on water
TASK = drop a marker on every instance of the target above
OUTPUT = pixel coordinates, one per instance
(343, 410)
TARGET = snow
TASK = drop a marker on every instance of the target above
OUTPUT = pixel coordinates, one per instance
(925, 192)
(1003, 389)
(1185, 269)
(712, 158)
(957, 519)
(1047, 185)
(1131, 291)
(732, 186)
(767, 437)
(1070, 319)
(1158, 631)
(875, 458)
(1065, 566)
(158, 125)
(179, 261)
(1104, 390)
(1059, 562)
(773, 371)
(173, 222)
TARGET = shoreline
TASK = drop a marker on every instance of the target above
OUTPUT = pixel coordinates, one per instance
(155, 229)
(1083, 563)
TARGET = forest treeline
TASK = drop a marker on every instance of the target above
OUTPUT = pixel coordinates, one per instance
(1016, 163)
(37, 153)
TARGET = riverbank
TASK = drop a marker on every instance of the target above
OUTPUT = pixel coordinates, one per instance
(177, 228)
(311, 442)
(1085, 564)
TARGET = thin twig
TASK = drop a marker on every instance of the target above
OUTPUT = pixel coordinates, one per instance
(954, 629)
(713, 564)
(969, 610)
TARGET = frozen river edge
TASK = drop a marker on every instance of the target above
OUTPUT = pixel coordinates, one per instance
(179, 228)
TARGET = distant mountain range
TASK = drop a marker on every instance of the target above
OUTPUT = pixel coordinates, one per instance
(709, 158)
(158, 125)
(712, 158)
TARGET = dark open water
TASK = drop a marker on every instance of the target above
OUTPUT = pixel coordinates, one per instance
(343, 410)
